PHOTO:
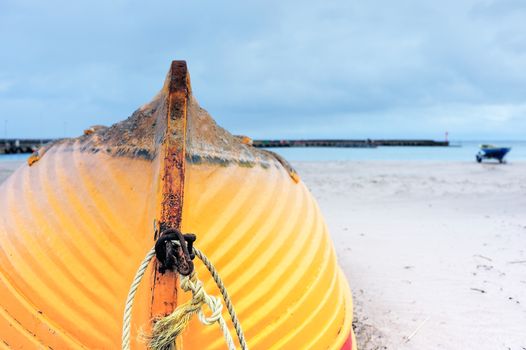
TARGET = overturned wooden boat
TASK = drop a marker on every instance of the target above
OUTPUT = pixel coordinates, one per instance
(77, 221)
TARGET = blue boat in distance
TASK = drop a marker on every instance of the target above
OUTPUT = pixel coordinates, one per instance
(492, 152)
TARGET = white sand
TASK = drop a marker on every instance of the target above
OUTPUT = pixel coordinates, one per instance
(436, 248)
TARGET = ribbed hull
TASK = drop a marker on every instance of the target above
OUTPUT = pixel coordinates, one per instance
(276, 258)
(77, 223)
(73, 229)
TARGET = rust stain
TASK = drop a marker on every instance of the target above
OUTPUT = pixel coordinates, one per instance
(33, 158)
(173, 153)
(38, 154)
(175, 147)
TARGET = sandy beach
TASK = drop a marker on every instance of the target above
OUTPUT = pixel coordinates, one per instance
(435, 252)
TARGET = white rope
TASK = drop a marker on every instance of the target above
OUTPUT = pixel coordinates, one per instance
(226, 297)
(126, 323)
(196, 288)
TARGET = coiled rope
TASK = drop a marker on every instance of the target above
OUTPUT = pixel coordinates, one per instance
(166, 330)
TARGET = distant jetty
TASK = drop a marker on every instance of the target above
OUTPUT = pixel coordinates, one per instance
(368, 143)
(10, 146)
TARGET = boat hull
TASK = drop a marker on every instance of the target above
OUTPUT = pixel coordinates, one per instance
(493, 153)
(80, 218)
(272, 225)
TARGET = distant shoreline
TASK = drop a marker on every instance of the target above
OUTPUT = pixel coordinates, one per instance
(349, 143)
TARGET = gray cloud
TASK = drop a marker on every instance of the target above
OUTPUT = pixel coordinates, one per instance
(271, 69)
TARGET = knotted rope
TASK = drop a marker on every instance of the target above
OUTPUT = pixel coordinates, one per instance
(166, 329)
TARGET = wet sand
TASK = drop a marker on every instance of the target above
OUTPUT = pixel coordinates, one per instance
(435, 252)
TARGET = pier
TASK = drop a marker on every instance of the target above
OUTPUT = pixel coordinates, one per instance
(368, 143)
(9, 146)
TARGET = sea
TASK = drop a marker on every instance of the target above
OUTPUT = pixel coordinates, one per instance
(458, 151)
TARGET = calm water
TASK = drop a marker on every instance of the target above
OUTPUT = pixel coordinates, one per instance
(464, 152)
(8, 157)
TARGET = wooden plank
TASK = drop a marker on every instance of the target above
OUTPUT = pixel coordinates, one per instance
(172, 168)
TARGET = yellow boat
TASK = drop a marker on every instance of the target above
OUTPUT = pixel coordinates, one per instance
(80, 217)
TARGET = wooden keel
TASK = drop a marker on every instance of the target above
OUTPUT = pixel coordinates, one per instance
(172, 172)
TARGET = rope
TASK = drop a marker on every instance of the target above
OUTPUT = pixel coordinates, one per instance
(126, 322)
(226, 297)
(166, 330)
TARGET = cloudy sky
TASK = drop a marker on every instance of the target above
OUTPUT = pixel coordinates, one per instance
(297, 68)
